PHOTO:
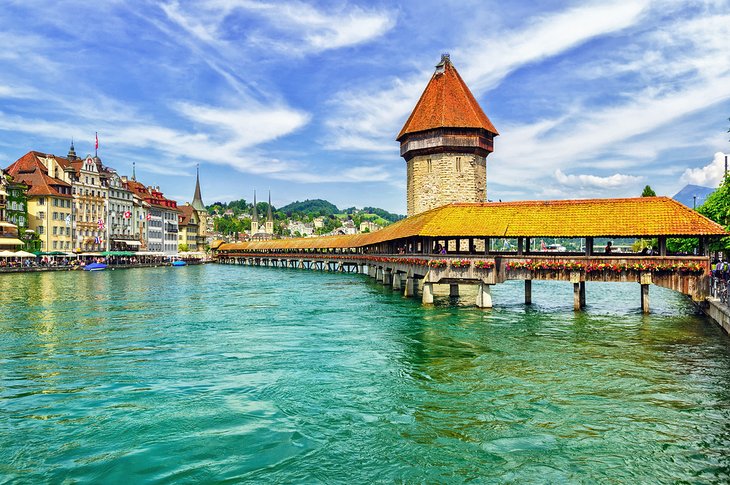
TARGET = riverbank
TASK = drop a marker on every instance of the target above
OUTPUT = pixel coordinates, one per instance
(40, 269)
(717, 312)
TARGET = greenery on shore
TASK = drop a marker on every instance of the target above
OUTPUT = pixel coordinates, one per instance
(235, 216)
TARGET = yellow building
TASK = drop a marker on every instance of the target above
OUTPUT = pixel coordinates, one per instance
(189, 229)
(49, 198)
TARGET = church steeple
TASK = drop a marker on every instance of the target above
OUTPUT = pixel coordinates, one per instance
(197, 199)
(134, 174)
(254, 217)
(269, 218)
(72, 152)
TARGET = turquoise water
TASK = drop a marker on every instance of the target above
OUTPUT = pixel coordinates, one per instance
(223, 373)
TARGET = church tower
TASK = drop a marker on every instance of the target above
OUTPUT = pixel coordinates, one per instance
(445, 142)
(254, 217)
(269, 219)
(200, 207)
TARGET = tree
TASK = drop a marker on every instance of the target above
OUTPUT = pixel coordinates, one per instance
(717, 208)
(648, 192)
(182, 248)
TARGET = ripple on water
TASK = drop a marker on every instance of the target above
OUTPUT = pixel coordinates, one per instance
(267, 375)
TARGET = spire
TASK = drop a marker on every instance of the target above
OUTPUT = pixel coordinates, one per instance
(255, 215)
(197, 199)
(270, 216)
(72, 151)
(134, 175)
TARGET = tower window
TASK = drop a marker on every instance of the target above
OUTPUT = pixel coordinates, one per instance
(458, 164)
(428, 164)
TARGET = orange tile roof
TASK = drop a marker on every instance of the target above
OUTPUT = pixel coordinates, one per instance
(29, 170)
(186, 213)
(636, 217)
(446, 103)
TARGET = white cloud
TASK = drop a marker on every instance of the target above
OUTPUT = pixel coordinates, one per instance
(294, 28)
(708, 176)
(594, 181)
(370, 118)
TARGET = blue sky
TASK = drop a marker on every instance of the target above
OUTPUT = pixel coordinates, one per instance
(306, 98)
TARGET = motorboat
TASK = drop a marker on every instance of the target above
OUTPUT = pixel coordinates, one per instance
(95, 267)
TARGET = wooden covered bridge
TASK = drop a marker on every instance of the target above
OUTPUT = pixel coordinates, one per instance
(488, 243)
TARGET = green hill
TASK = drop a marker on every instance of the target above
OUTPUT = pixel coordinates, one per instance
(315, 207)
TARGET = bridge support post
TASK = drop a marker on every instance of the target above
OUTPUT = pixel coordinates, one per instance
(397, 281)
(576, 296)
(645, 280)
(528, 292)
(410, 289)
(427, 298)
(387, 277)
(454, 290)
(484, 295)
(582, 295)
(379, 275)
(645, 299)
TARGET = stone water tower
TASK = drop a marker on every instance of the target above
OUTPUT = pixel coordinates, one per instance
(445, 142)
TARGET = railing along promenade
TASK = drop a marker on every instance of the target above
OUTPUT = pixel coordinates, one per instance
(410, 272)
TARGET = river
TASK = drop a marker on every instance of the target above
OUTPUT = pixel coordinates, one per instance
(226, 373)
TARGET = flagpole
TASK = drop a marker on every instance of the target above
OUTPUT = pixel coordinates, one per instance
(96, 144)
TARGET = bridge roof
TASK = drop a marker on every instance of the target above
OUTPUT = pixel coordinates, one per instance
(636, 217)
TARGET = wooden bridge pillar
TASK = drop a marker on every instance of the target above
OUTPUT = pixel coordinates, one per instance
(454, 290)
(645, 299)
(528, 292)
(427, 298)
(576, 296)
(582, 295)
(484, 295)
(379, 275)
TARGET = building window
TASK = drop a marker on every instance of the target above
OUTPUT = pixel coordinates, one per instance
(41, 201)
(458, 164)
(40, 229)
(428, 163)
(55, 230)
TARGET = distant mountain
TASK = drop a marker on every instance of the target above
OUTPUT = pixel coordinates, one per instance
(687, 195)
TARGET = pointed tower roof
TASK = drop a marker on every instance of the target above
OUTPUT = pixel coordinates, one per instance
(446, 103)
(255, 215)
(197, 199)
(270, 216)
(72, 151)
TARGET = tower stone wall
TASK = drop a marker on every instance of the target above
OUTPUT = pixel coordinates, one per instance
(442, 178)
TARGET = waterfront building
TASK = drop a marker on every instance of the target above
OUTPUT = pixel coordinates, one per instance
(91, 203)
(16, 210)
(161, 218)
(49, 198)
(189, 226)
(445, 143)
(3, 194)
(121, 211)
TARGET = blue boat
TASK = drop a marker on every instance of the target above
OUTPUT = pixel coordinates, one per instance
(95, 267)
(179, 263)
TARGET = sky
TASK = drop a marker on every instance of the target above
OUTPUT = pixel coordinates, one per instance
(305, 98)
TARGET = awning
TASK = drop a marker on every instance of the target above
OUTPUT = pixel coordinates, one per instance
(8, 224)
(24, 254)
(131, 243)
(10, 241)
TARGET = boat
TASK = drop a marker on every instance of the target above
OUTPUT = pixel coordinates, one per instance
(95, 267)
(179, 263)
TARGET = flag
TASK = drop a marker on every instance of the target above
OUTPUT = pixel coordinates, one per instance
(149, 216)
(96, 146)
(127, 214)
(100, 223)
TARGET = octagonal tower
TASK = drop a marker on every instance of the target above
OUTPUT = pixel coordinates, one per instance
(445, 142)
